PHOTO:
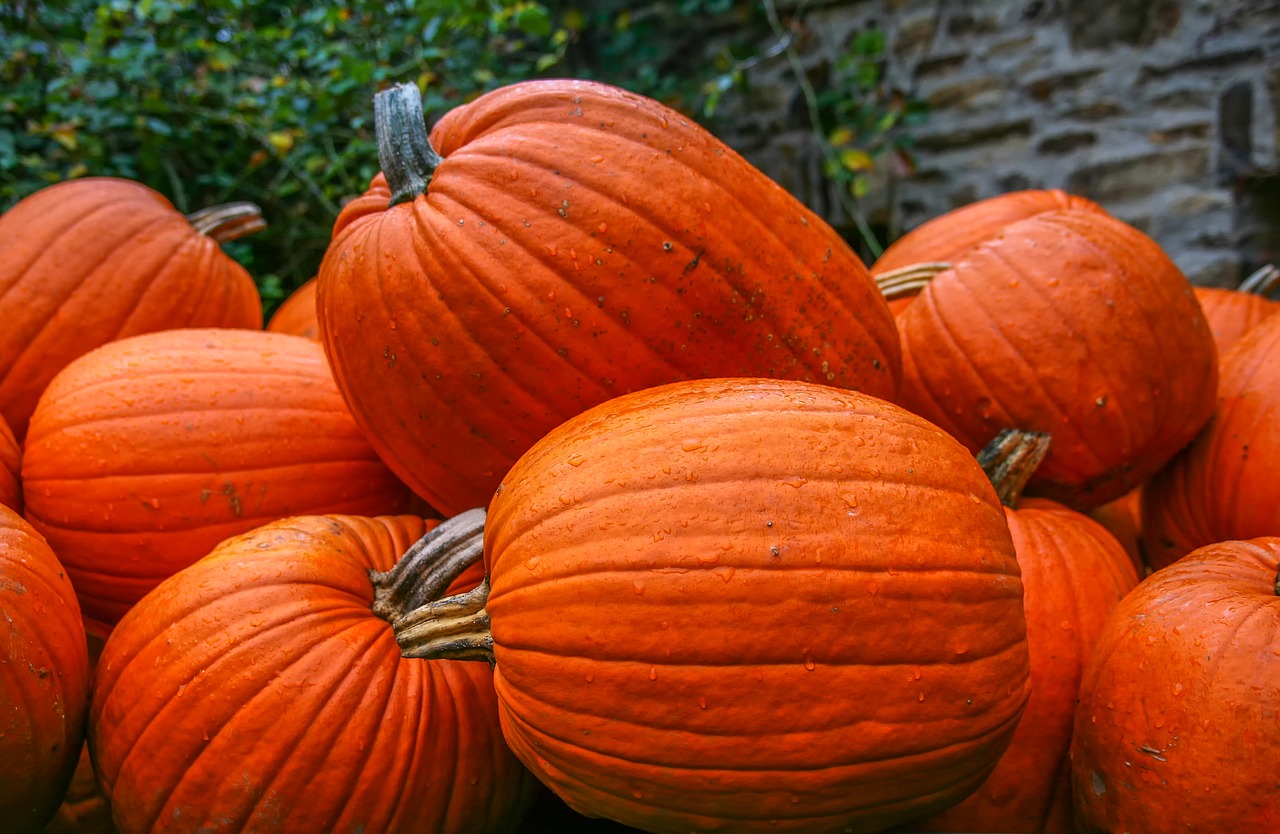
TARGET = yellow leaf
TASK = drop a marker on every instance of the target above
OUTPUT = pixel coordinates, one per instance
(281, 141)
(856, 160)
(840, 136)
(65, 135)
(77, 170)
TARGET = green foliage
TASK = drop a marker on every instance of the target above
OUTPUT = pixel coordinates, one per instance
(222, 100)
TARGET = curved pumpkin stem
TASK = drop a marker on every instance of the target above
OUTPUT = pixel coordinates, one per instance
(228, 221)
(404, 151)
(409, 595)
(1262, 282)
(1010, 460)
(909, 280)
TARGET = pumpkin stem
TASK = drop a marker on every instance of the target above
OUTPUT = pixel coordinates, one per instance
(1010, 459)
(404, 151)
(409, 595)
(1262, 282)
(908, 280)
(228, 221)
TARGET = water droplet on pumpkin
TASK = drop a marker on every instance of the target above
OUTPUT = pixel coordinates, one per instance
(702, 702)
(961, 648)
(692, 444)
(590, 677)
(531, 563)
(795, 481)
(850, 499)
(653, 673)
(638, 587)
(566, 499)
(916, 675)
(725, 572)
(577, 460)
(1177, 689)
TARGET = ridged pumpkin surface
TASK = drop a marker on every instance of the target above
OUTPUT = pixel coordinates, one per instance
(10, 469)
(754, 605)
(297, 315)
(949, 236)
(1074, 573)
(1232, 313)
(44, 678)
(146, 452)
(1070, 323)
(87, 261)
(577, 242)
(1224, 485)
(1176, 726)
(257, 691)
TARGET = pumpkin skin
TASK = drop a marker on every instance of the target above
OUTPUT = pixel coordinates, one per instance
(44, 678)
(1074, 572)
(754, 605)
(1232, 313)
(1064, 324)
(297, 314)
(87, 261)
(10, 469)
(577, 242)
(256, 690)
(1123, 519)
(146, 452)
(1223, 485)
(949, 236)
(1175, 730)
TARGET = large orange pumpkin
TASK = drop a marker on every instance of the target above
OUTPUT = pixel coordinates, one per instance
(1179, 705)
(951, 235)
(1073, 574)
(1224, 485)
(87, 261)
(146, 452)
(1233, 312)
(44, 678)
(1066, 323)
(748, 605)
(571, 242)
(10, 469)
(257, 690)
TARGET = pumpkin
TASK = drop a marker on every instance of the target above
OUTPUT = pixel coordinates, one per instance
(1233, 312)
(1224, 485)
(258, 690)
(45, 682)
(146, 452)
(1123, 519)
(10, 469)
(1176, 726)
(1064, 324)
(1073, 574)
(568, 243)
(748, 605)
(297, 314)
(951, 235)
(90, 260)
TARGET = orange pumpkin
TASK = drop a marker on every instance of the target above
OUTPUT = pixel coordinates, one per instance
(44, 685)
(571, 242)
(748, 605)
(1064, 324)
(10, 469)
(90, 260)
(1233, 312)
(258, 690)
(146, 452)
(1176, 726)
(1224, 485)
(951, 235)
(1073, 573)
(1123, 518)
(297, 314)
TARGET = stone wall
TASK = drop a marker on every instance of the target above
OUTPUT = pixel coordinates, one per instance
(1167, 112)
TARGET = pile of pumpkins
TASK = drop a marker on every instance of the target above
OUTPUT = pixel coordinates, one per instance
(592, 465)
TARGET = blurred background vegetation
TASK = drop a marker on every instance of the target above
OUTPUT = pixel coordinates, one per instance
(271, 102)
